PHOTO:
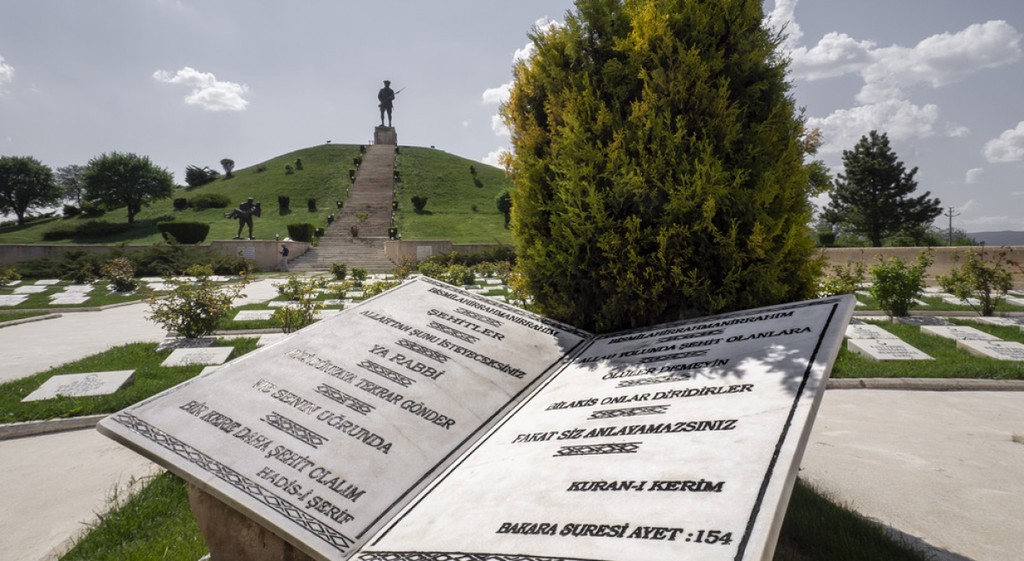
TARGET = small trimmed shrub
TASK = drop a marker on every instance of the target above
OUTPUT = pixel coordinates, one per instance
(304, 304)
(283, 202)
(9, 275)
(359, 274)
(187, 233)
(339, 270)
(311, 205)
(895, 285)
(209, 200)
(71, 211)
(459, 275)
(288, 170)
(302, 232)
(180, 203)
(261, 168)
(60, 233)
(419, 203)
(298, 164)
(842, 279)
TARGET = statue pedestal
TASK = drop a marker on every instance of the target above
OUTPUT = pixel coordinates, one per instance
(385, 135)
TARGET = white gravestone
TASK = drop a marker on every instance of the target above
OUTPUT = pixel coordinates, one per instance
(885, 349)
(868, 331)
(81, 385)
(31, 289)
(957, 332)
(47, 282)
(68, 299)
(208, 355)
(1000, 350)
(12, 299)
(672, 442)
(253, 315)
(78, 288)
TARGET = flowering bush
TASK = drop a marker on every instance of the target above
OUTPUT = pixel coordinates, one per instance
(896, 285)
(121, 274)
(193, 307)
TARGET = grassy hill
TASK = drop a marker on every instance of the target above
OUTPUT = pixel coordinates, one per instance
(443, 178)
(460, 205)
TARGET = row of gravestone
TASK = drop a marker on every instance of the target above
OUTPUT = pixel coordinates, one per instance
(1013, 298)
(876, 343)
(73, 294)
(90, 384)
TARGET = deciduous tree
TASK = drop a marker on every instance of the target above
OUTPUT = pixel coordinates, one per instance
(659, 165)
(70, 179)
(25, 182)
(125, 179)
(872, 197)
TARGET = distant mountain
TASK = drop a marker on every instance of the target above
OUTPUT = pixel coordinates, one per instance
(1006, 237)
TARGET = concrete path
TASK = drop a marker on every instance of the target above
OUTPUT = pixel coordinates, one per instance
(54, 485)
(941, 468)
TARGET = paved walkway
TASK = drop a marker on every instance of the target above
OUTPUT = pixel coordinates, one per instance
(942, 469)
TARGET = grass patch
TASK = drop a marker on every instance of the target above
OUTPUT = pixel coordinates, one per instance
(20, 315)
(154, 525)
(949, 362)
(817, 528)
(452, 195)
(150, 379)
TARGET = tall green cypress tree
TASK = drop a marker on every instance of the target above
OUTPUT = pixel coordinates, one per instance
(658, 165)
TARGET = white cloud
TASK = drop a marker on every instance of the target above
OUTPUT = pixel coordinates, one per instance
(898, 118)
(207, 92)
(939, 60)
(494, 157)
(973, 175)
(1009, 147)
(835, 54)
(953, 131)
(498, 95)
(498, 126)
(6, 74)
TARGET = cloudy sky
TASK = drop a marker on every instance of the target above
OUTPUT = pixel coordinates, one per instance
(191, 82)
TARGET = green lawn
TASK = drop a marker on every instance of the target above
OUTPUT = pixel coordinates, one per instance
(150, 378)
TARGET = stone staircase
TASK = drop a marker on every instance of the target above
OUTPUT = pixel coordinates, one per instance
(367, 214)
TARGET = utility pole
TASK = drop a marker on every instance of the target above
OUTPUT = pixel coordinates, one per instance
(950, 213)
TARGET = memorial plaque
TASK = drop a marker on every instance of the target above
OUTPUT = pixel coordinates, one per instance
(1000, 321)
(323, 437)
(78, 288)
(1014, 300)
(958, 332)
(999, 350)
(47, 282)
(81, 385)
(680, 441)
(31, 289)
(208, 355)
(868, 331)
(253, 315)
(185, 343)
(885, 349)
(433, 423)
(950, 299)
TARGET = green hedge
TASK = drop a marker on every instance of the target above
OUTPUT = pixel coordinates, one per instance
(90, 229)
(184, 232)
(209, 200)
(301, 232)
